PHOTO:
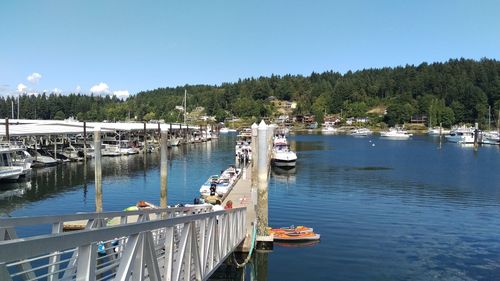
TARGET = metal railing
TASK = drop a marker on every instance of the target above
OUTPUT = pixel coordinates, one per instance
(177, 244)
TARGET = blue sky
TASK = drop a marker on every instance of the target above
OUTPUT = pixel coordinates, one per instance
(124, 47)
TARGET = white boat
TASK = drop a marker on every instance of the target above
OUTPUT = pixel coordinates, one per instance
(126, 148)
(72, 154)
(396, 134)
(329, 130)
(279, 140)
(462, 135)
(436, 131)
(40, 160)
(223, 182)
(174, 141)
(361, 132)
(491, 137)
(243, 148)
(8, 170)
(283, 156)
(23, 159)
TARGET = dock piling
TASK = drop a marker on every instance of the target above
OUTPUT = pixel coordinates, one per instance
(7, 134)
(264, 241)
(98, 170)
(163, 169)
(84, 141)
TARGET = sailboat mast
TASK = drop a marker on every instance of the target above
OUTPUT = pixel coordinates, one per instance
(489, 118)
(185, 105)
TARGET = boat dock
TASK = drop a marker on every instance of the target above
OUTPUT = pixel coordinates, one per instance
(187, 243)
(243, 195)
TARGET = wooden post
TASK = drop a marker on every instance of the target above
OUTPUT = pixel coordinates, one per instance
(476, 133)
(145, 140)
(7, 133)
(36, 149)
(98, 170)
(55, 147)
(262, 172)
(163, 169)
(255, 154)
(85, 141)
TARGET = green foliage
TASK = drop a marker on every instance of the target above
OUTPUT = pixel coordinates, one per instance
(458, 90)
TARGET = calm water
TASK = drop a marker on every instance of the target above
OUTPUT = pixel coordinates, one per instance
(386, 210)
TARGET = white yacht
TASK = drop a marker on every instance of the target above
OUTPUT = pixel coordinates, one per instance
(461, 135)
(283, 156)
(396, 134)
(491, 137)
(436, 131)
(329, 130)
(8, 170)
(361, 132)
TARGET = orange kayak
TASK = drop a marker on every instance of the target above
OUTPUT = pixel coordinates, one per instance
(296, 236)
(291, 229)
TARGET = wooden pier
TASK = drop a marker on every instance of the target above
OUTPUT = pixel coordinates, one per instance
(243, 195)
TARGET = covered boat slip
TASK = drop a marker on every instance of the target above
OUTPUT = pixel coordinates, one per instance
(25, 127)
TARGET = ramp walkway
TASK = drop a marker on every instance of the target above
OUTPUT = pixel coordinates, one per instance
(187, 243)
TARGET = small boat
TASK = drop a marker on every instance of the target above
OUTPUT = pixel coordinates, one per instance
(223, 182)
(396, 134)
(296, 236)
(8, 170)
(436, 131)
(291, 229)
(329, 130)
(361, 132)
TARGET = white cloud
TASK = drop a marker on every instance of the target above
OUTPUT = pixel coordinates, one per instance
(123, 94)
(33, 94)
(57, 91)
(21, 88)
(78, 89)
(34, 77)
(101, 88)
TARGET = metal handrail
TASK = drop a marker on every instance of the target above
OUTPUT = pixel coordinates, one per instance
(24, 221)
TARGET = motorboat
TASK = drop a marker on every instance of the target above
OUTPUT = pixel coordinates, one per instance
(223, 182)
(329, 130)
(22, 158)
(174, 141)
(361, 132)
(463, 135)
(491, 137)
(283, 156)
(42, 159)
(436, 131)
(396, 133)
(72, 154)
(243, 148)
(8, 170)
(280, 140)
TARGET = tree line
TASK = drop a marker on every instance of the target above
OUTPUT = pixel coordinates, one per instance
(456, 91)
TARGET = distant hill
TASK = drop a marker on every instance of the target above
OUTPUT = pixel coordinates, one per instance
(459, 90)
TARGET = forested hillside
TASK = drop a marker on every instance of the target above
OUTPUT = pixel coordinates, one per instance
(457, 91)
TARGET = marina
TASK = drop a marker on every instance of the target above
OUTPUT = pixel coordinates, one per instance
(348, 173)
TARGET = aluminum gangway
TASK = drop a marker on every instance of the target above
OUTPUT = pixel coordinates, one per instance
(186, 243)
